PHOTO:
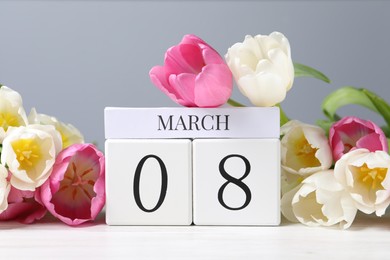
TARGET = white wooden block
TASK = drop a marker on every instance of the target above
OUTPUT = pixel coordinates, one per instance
(184, 122)
(148, 182)
(236, 181)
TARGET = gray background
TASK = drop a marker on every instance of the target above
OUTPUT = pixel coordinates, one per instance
(72, 58)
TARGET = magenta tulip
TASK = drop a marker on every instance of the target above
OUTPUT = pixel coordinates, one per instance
(75, 191)
(23, 206)
(351, 133)
(194, 74)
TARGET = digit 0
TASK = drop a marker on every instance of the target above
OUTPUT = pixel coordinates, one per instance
(164, 183)
(238, 182)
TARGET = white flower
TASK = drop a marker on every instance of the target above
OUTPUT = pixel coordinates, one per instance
(69, 134)
(365, 175)
(262, 67)
(289, 181)
(304, 149)
(286, 204)
(11, 109)
(321, 201)
(29, 152)
(5, 187)
(2, 134)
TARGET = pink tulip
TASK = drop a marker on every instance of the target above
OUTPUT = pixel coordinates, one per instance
(23, 206)
(194, 74)
(351, 133)
(75, 190)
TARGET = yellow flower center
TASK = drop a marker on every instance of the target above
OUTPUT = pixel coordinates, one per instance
(28, 153)
(306, 153)
(8, 119)
(370, 178)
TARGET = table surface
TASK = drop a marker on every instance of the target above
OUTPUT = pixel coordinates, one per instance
(368, 238)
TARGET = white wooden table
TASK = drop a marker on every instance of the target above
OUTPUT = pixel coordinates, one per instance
(368, 238)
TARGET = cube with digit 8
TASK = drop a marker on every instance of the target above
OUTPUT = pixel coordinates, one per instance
(236, 181)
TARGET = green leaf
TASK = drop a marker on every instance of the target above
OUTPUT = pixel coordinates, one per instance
(386, 130)
(345, 96)
(1, 85)
(234, 103)
(306, 71)
(283, 117)
(388, 143)
(381, 106)
(325, 124)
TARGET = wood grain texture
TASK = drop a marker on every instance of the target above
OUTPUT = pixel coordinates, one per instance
(367, 238)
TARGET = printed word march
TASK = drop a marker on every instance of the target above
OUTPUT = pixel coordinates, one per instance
(193, 122)
(202, 166)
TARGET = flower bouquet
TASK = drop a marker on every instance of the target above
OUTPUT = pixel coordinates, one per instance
(46, 166)
(330, 170)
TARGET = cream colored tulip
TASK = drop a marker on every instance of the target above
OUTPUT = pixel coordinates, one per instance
(289, 181)
(366, 177)
(322, 201)
(262, 67)
(69, 134)
(5, 188)
(11, 109)
(304, 149)
(29, 152)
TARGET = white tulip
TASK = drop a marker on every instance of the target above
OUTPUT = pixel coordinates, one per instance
(2, 134)
(304, 149)
(5, 188)
(286, 204)
(365, 176)
(322, 201)
(289, 181)
(11, 109)
(262, 67)
(29, 152)
(69, 134)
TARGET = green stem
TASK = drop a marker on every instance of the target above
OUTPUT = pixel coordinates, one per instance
(234, 103)
(283, 117)
(388, 142)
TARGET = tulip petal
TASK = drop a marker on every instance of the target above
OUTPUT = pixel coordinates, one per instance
(322, 201)
(365, 175)
(263, 90)
(192, 55)
(265, 44)
(192, 39)
(184, 85)
(75, 192)
(304, 149)
(286, 204)
(213, 86)
(23, 207)
(159, 78)
(282, 66)
(283, 42)
(371, 141)
(247, 57)
(351, 133)
(211, 56)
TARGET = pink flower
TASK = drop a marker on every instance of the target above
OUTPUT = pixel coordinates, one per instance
(352, 133)
(24, 206)
(75, 191)
(194, 74)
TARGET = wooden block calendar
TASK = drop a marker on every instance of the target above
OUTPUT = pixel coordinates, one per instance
(183, 166)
